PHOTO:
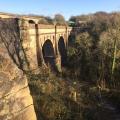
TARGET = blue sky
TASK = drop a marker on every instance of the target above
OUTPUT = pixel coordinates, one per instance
(65, 7)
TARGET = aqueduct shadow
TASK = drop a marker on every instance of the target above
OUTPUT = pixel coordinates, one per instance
(49, 54)
(62, 51)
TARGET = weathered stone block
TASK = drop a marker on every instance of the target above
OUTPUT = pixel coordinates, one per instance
(15, 100)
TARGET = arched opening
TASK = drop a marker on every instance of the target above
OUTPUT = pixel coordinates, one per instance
(31, 22)
(62, 51)
(48, 54)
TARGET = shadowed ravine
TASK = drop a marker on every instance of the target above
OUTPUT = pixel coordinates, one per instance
(54, 99)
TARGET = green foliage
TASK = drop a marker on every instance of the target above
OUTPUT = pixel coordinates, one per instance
(96, 51)
(81, 57)
(54, 97)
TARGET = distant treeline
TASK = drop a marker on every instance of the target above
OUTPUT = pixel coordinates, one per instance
(83, 19)
(76, 20)
(58, 19)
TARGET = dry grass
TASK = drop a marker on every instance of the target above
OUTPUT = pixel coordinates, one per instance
(57, 98)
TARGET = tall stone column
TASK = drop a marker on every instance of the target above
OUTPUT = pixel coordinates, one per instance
(28, 36)
(57, 57)
(66, 32)
(23, 26)
(56, 45)
(40, 59)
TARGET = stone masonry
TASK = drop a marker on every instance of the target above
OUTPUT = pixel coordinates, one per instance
(15, 100)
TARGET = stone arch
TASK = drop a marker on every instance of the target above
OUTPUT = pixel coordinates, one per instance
(31, 22)
(48, 53)
(62, 50)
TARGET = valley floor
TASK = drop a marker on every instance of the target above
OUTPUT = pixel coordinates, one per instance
(58, 98)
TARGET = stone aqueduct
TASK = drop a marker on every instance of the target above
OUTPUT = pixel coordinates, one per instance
(43, 43)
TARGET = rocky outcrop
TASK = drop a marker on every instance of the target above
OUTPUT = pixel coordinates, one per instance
(15, 100)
